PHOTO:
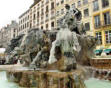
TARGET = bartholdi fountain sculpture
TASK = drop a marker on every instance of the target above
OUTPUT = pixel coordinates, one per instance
(62, 49)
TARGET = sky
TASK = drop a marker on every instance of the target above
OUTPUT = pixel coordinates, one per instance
(12, 9)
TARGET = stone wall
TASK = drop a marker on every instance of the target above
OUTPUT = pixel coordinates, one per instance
(48, 79)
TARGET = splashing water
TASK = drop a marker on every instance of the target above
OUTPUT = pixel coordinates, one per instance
(52, 58)
(4, 83)
(68, 42)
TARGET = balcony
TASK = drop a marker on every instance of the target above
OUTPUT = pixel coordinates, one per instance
(42, 14)
(38, 8)
(96, 9)
(52, 8)
(47, 1)
(47, 19)
(42, 22)
(102, 24)
(37, 24)
(38, 17)
(107, 23)
(52, 16)
(42, 5)
(47, 11)
(97, 26)
(105, 4)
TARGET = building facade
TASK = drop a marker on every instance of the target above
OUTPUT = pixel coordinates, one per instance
(82, 5)
(7, 33)
(102, 22)
(24, 24)
(42, 14)
(96, 17)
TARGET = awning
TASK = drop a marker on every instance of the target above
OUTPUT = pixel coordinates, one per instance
(98, 51)
(107, 50)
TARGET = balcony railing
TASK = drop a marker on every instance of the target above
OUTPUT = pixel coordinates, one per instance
(42, 22)
(52, 8)
(102, 24)
(38, 8)
(42, 14)
(107, 23)
(52, 16)
(47, 2)
(47, 19)
(105, 5)
(37, 24)
(42, 5)
(47, 11)
(96, 9)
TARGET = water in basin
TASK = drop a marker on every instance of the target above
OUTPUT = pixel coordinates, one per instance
(96, 83)
(4, 83)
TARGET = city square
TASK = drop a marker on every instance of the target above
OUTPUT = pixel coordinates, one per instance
(58, 44)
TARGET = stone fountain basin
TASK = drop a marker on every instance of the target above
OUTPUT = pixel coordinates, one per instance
(41, 78)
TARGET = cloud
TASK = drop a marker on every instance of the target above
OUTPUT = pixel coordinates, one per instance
(12, 9)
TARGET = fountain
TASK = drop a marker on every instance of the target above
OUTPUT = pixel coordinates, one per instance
(59, 54)
(4, 83)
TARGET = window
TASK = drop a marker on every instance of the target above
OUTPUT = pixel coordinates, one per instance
(47, 8)
(107, 18)
(14, 30)
(52, 24)
(14, 35)
(95, 5)
(86, 12)
(37, 14)
(27, 24)
(108, 36)
(25, 18)
(85, 2)
(47, 16)
(21, 21)
(41, 27)
(38, 5)
(30, 25)
(73, 5)
(57, 4)
(28, 17)
(62, 11)
(47, 1)
(52, 13)
(20, 28)
(99, 37)
(97, 21)
(42, 11)
(42, 18)
(62, 1)
(46, 26)
(57, 13)
(37, 21)
(87, 26)
(34, 16)
(42, 3)
(52, 5)
(79, 3)
(105, 3)
(23, 27)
